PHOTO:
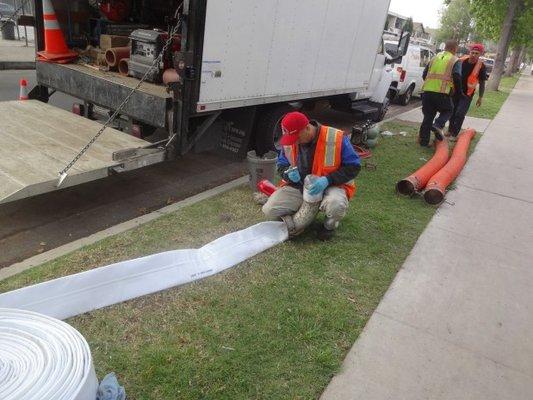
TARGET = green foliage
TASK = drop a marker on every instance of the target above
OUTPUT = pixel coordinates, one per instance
(456, 21)
(489, 16)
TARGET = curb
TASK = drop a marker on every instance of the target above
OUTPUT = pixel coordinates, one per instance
(114, 230)
(397, 116)
(16, 65)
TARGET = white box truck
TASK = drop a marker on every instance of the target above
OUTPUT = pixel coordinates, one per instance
(240, 65)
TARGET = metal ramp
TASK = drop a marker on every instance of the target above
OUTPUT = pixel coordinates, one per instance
(38, 140)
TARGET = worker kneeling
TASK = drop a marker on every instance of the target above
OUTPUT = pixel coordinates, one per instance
(309, 148)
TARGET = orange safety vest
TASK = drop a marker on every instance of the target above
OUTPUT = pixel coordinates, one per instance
(327, 157)
(473, 78)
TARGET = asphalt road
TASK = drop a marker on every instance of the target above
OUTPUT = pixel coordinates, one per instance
(40, 223)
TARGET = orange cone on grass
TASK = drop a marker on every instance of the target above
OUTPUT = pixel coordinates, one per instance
(23, 94)
(56, 49)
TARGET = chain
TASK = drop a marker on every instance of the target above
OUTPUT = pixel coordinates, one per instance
(63, 172)
(19, 9)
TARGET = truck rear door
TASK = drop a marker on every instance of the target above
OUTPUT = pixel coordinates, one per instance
(38, 140)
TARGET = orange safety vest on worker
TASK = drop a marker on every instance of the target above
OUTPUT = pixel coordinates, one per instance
(473, 78)
(327, 157)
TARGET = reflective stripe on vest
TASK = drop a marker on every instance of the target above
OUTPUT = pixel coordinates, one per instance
(330, 147)
(290, 153)
(439, 76)
(473, 78)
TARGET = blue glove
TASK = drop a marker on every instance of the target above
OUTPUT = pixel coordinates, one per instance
(109, 389)
(294, 175)
(318, 186)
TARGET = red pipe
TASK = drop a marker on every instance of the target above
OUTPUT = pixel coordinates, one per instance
(438, 183)
(123, 66)
(266, 187)
(418, 180)
(115, 54)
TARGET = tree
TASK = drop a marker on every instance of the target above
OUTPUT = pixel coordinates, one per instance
(455, 21)
(509, 22)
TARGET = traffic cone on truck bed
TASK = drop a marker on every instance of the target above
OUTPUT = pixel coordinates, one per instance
(56, 49)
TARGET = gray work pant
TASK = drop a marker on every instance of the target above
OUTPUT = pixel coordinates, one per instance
(287, 200)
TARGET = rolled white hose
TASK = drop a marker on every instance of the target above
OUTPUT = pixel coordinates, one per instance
(42, 358)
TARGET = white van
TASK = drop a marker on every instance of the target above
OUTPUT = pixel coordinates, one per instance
(407, 75)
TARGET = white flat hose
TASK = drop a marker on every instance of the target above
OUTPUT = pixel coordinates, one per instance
(90, 290)
(42, 358)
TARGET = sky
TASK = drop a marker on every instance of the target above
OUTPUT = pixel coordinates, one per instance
(425, 11)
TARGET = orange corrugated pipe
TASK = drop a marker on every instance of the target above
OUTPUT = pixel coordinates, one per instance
(435, 189)
(418, 180)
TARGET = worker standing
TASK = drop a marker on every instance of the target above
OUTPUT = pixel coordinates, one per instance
(473, 72)
(441, 76)
(311, 148)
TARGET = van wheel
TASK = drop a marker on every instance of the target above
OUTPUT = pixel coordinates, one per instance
(380, 114)
(406, 97)
(268, 128)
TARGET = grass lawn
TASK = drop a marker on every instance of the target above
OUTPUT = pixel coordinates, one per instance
(275, 327)
(492, 101)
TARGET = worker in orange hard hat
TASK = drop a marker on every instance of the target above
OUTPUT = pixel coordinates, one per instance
(473, 73)
(309, 148)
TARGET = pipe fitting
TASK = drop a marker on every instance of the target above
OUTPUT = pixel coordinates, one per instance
(297, 222)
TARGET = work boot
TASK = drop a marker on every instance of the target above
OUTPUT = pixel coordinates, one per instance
(429, 144)
(325, 234)
(439, 134)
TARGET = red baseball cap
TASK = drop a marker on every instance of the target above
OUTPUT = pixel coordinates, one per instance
(478, 47)
(291, 125)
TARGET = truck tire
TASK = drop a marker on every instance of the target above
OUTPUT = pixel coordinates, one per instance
(384, 107)
(405, 98)
(267, 127)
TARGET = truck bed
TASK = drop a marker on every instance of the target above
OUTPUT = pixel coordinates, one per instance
(38, 140)
(107, 89)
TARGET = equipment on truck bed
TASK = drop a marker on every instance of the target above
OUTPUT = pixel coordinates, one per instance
(145, 48)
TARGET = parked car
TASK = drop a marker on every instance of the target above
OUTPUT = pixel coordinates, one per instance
(6, 10)
(407, 75)
(489, 64)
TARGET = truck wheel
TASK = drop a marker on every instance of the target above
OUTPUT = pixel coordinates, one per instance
(406, 97)
(380, 114)
(268, 129)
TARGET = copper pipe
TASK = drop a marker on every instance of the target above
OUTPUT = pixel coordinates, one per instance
(420, 178)
(435, 189)
(123, 66)
(115, 54)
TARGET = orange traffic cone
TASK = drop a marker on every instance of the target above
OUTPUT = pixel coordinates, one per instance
(23, 90)
(56, 49)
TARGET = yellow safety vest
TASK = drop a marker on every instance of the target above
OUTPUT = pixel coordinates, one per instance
(439, 77)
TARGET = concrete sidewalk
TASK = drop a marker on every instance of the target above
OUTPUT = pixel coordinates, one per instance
(457, 322)
(479, 124)
(14, 54)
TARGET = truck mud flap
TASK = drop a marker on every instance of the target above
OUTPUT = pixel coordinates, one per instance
(38, 140)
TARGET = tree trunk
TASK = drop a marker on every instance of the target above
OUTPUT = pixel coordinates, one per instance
(503, 44)
(511, 67)
(521, 57)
